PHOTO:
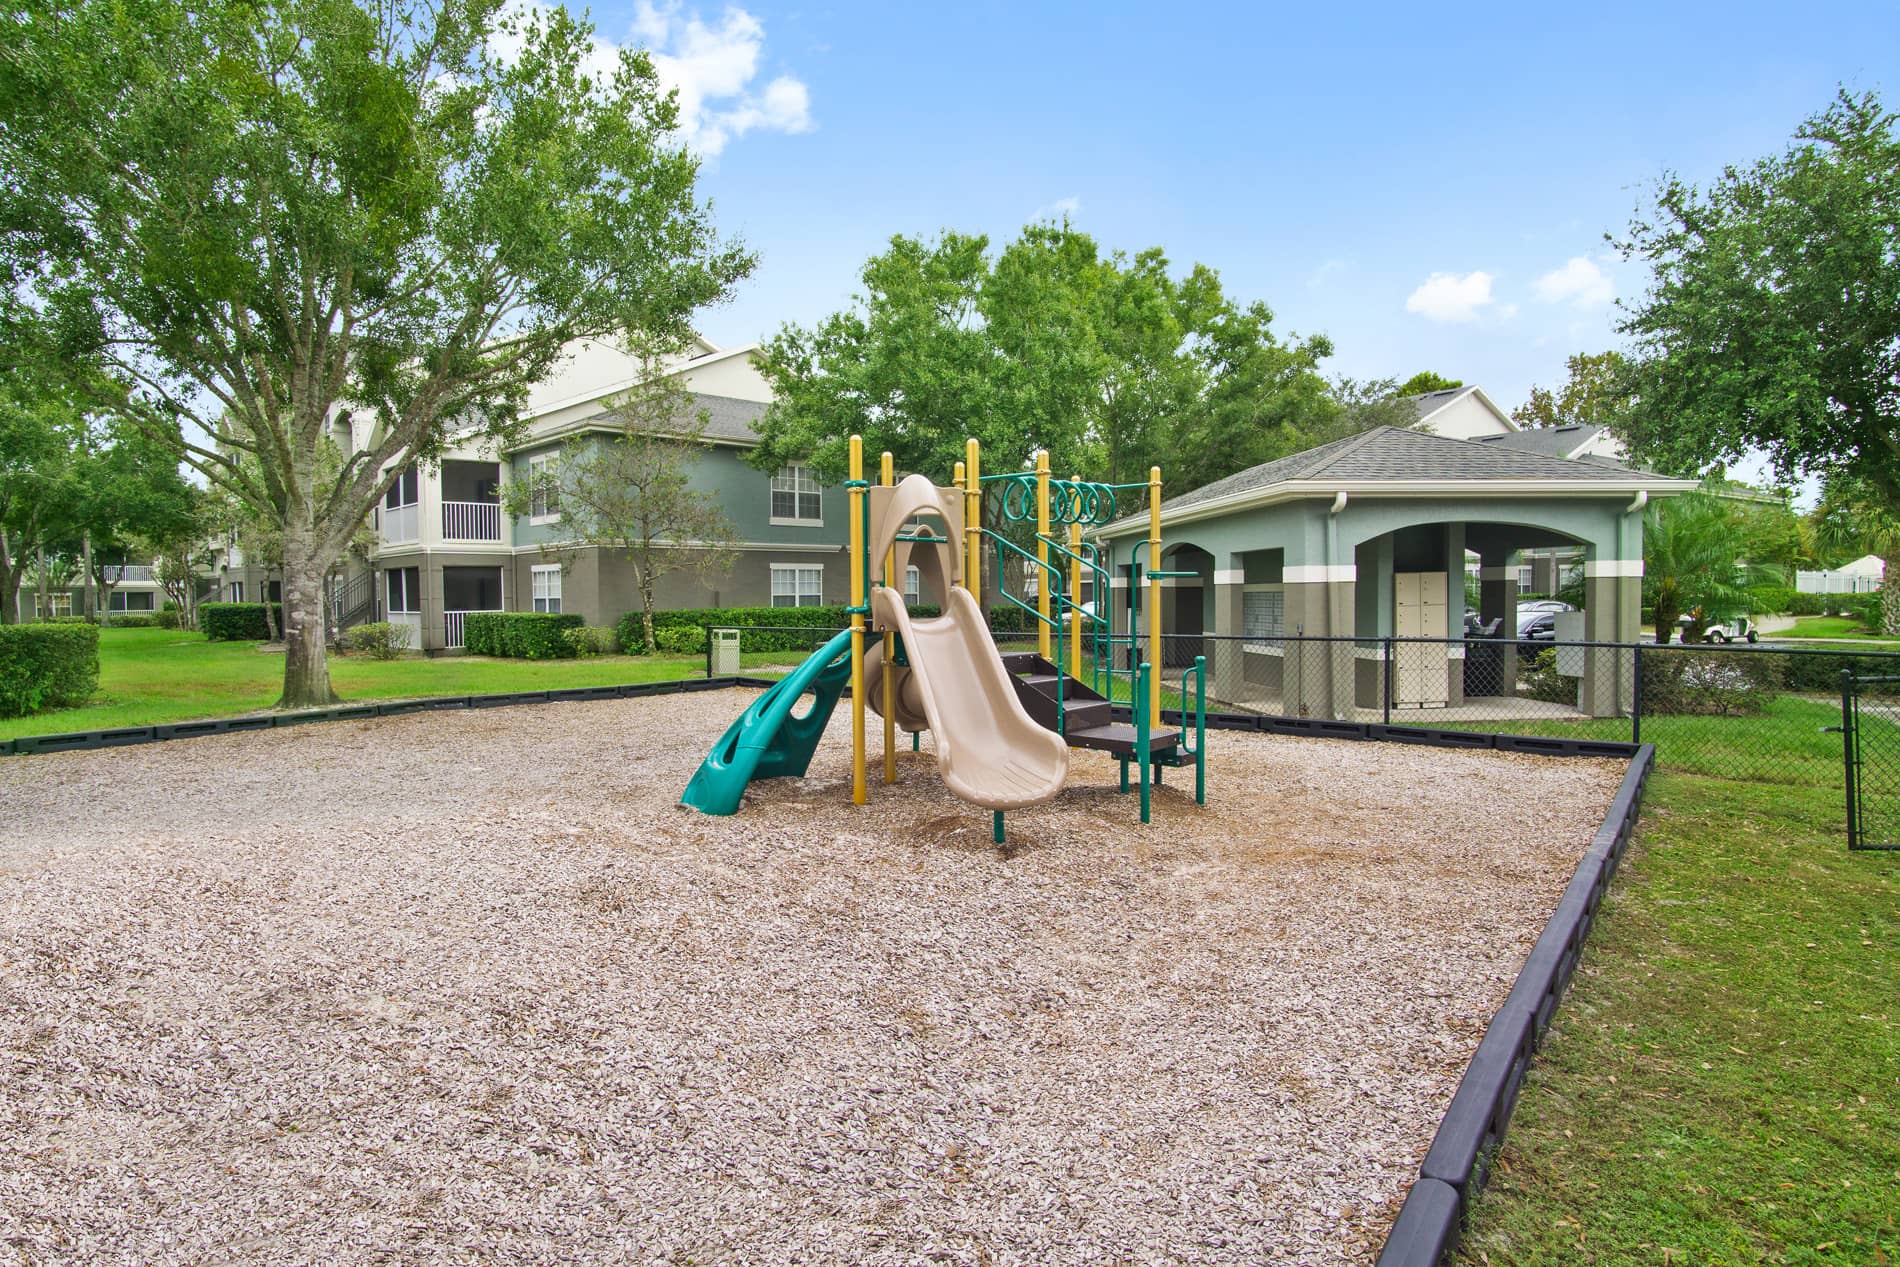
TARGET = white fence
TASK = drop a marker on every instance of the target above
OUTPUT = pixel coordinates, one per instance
(1835, 583)
(471, 521)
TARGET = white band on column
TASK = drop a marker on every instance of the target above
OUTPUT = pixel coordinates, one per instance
(1319, 573)
(1613, 567)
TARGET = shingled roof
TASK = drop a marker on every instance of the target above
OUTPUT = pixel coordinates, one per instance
(1554, 441)
(1388, 453)
(729, 419)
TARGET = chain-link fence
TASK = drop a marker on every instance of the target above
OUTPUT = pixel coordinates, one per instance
(1873, 803)
(1755, 712)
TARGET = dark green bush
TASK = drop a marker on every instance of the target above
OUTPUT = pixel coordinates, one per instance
(131, 620)
(1714, 683)
(1770, 600)
(169, 617)
(1807, 604)
(379, 640)
(678, 641)
(47, 666)
(781, 628)
(1865, 608)
(237, 622)
(1819, 672)
(592, 640)
(520, 635)
(1541, 680)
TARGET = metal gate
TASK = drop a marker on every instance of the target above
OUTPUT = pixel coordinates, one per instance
(1870, 734)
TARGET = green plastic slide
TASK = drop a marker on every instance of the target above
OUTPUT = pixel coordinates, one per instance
(770, 741)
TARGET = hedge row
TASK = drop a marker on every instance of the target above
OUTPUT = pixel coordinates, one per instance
(774, 628)
(47, 666)
(237, 622)
(520, 635)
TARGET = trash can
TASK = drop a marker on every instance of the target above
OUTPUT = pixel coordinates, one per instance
(725, 652)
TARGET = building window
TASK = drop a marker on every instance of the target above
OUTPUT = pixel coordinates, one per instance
(58, 603)
(544, 501)
(135, 601)
(546, 583)
(913, 586)
(797, 585)
(237, 591)
(403, 587)
(795, 497)
(405, 491)
(1262, 616)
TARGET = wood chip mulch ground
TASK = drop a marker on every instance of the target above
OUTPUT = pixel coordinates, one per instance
(470, 987)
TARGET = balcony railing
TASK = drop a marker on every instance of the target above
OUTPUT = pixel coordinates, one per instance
(454, 625)
(402, 524)
(471, 521)
(133, 574)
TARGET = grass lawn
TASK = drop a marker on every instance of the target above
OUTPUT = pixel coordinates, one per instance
(1832, 627)
(148, 676)
(1722, 1084)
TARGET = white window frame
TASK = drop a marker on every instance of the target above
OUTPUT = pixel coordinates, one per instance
(544, 587)
(59, 602)
(411, 598)
(237, 591)
(913, 586)
(796, 478)
(121, 603)
(1269, 644)
(799, 573)
(543, 507)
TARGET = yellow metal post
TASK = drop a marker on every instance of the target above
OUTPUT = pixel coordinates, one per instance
(973, 522)
(1075, 598)
(957, 482)
(1042, 552)
(859, 794)
(1154, 596)
(887, 475)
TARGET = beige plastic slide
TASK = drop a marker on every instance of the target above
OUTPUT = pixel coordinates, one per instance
(989, 750)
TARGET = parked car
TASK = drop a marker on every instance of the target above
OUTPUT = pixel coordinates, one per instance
(1544, 605)
(1538, 626)
(1088, 610)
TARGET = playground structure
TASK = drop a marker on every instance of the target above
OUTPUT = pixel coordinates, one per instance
(1002, 723)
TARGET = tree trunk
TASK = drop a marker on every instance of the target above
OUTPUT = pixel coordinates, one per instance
(270, 617)
(646, 610)
(11, 570)
(1665, 614)
(1890, 594)
(42, 598)
(306, 666)
(87, 602)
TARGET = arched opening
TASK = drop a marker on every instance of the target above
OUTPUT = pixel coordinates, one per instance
(1187, 603)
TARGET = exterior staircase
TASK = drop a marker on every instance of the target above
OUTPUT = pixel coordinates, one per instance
(352, 602)
(1085, 718)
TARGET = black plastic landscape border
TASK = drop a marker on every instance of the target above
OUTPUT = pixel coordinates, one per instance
(82, 740)
(1472, 1130)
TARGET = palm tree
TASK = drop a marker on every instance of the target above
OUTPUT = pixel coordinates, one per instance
(1851, 520)
(1692, 548)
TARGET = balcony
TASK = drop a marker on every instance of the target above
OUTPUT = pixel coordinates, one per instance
(401, 525)
(471, 521)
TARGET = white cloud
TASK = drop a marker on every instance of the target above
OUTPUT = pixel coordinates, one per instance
(1578, 282)
(1451, 296)
(1327, 270)
(1061, 209)
(712, 67)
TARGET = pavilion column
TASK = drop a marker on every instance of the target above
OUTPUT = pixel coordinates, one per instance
(1225, 659)
(1612, 612)
(1318, 674)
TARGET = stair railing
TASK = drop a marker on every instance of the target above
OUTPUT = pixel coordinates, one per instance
(1050, 576)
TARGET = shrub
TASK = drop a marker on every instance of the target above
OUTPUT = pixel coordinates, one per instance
(237, 622)
(520, 635)
(1866, 609)
(47, 666)
(379, 640)
(1807, 604)
(690, 641)
(592, 640)
(1542, 681)
(1714, 683)
(1819, 672)
(169, 617)
(128, 620)
(1770, 600)
(779, 628)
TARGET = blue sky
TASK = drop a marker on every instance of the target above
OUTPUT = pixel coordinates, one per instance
(1428, 185)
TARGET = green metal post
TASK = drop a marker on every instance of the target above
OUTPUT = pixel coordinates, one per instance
(916, 741)
(1200, 729)
(996, 827)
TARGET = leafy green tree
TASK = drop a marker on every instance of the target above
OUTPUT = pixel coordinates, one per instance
(37, 488)
(130, 491)
(1598, 392)
(1773, 320)
(1108, 361)
(257, 227)
(630, 490)
(1428, 381)
(1693, 561)
(1850, 520)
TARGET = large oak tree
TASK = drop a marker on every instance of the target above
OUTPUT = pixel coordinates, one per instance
(245, 219)
(1773, 321)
